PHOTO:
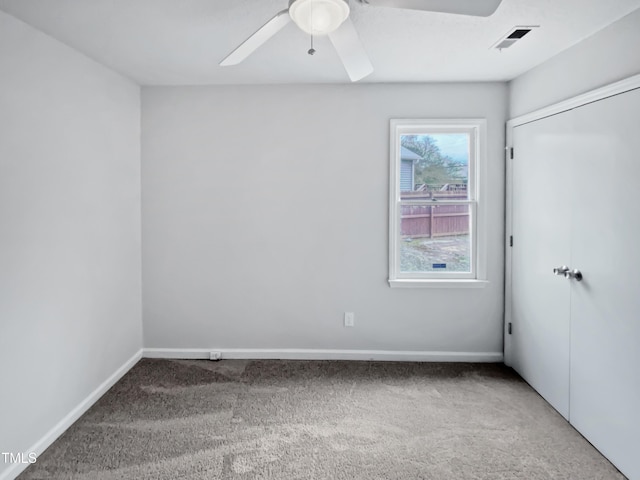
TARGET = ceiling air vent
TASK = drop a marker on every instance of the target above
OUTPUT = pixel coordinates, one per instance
(515, 34)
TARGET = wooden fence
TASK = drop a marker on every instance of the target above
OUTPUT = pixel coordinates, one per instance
(434, 220)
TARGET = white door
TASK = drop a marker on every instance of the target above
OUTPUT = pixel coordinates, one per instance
(605, 305)
(541, 174)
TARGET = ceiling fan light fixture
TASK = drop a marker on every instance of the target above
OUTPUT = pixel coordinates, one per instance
(318, 17)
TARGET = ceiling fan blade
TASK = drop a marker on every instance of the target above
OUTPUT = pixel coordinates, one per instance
(351, 51)
(478, 8)
(252, 43)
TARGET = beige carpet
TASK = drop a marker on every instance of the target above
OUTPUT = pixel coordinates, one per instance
(320, 420)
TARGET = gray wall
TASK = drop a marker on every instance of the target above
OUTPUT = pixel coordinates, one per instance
(606, 57)
(265, 216)
(70, 312)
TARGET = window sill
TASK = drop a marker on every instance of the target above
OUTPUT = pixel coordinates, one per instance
(437, 283)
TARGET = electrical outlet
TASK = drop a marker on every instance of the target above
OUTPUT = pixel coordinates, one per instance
(215, 356)
(349, 319)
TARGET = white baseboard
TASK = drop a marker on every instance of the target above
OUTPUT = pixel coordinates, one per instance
(311, 354)
(41, 445)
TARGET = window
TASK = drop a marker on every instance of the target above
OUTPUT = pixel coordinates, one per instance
(435, 217)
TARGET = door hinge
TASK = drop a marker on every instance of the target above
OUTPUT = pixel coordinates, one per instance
(511, 240)
(509, 328)
(511, 153)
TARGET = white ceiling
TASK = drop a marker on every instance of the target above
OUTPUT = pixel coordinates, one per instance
(180, 42)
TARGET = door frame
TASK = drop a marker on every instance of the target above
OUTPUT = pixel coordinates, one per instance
(601, 93)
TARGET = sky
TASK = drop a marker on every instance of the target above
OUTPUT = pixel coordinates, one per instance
(454, 145)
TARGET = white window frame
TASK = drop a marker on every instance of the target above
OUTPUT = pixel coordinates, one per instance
(476, 128)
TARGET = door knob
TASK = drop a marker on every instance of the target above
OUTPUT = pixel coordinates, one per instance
(561, 270)
(577, 274)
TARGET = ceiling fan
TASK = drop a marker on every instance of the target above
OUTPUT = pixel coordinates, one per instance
(331, 17)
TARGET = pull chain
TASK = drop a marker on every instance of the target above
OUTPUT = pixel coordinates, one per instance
(311, 50)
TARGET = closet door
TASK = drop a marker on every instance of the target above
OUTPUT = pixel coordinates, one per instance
(541, 226)
(605, 305)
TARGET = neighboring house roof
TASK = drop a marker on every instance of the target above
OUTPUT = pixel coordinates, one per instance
(406, 154)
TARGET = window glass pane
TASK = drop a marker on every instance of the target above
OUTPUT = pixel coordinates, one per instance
(434, 166)
(435, 238)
